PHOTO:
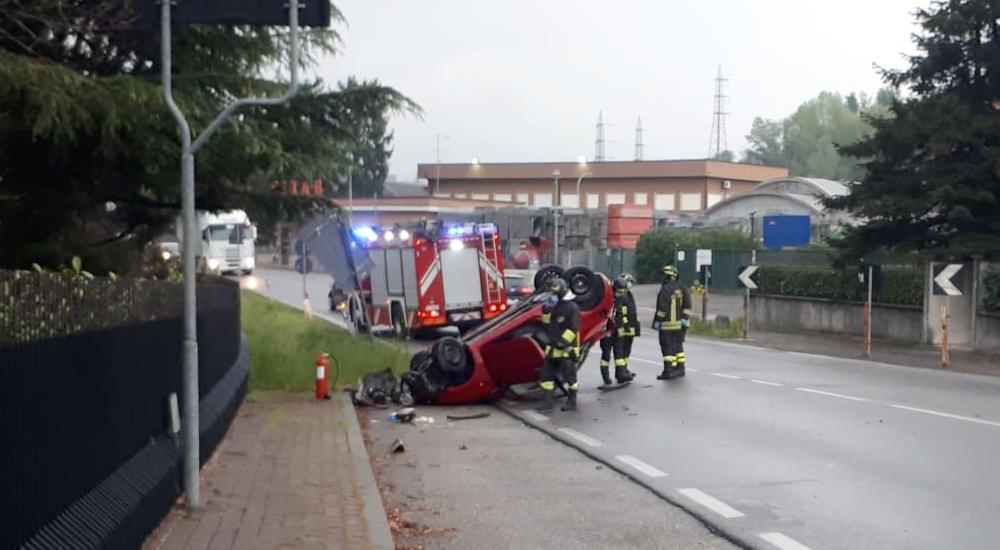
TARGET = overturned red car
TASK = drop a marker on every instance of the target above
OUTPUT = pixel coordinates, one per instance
(506, 350)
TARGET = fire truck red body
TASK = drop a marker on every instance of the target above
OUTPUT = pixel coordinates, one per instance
(430, 277)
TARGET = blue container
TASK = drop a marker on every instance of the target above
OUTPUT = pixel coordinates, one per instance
(783, 230)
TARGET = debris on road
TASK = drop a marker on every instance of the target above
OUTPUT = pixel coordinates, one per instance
(397, 446)
(405, 415)
(468, 416)
(462, 447)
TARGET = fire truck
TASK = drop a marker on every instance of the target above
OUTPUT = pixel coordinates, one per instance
(428, 276)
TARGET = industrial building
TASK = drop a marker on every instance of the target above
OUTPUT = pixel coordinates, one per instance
(670, 186)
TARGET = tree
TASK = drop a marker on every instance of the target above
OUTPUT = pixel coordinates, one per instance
(726, 156)
(89, 154)
(807, 141)
(933, 166)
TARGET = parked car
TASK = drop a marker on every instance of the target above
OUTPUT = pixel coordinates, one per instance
(507, 349)
(519, 283)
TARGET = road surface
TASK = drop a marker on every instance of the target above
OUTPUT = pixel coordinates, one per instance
(790, 451)
(285, 286)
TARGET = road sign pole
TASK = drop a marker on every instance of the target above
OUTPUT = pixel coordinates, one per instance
(868, 314)
(746, 312)
(945, 355)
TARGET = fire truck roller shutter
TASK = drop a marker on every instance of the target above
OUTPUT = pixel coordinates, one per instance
(394, 271)
(410, 296)
(378, 276)
(463, 285)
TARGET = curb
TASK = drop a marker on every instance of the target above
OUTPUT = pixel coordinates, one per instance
(663, 495)
(378, 524)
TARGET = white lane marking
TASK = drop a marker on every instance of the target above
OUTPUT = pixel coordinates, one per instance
(724, 375)
(692, 369)
(831, 394)
(947, 415)
(536, 416)
(783, 542)
(634, 462)
(712, 503)
(581, 437)
(766, 383)
(641, 360)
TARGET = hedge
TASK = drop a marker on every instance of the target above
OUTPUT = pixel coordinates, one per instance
(657, 248)
(900, 285)
(991, 288)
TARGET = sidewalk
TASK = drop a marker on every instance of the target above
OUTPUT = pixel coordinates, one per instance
(292, 472)
(884, 351)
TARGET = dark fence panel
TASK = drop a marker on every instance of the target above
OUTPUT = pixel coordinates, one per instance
(83, 396)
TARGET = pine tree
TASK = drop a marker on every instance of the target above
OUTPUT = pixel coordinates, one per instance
(933, 165)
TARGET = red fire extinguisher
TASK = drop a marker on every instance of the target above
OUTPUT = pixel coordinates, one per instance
(322, 384)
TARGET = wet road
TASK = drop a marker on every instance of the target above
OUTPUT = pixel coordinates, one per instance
(788, 450)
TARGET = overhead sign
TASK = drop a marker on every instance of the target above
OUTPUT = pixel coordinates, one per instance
(746, 276)
(943, 283)
(304, 265)
(267, 13)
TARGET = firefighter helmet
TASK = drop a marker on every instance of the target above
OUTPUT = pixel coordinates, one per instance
(557, 286)
(669, 272)
(622, 282)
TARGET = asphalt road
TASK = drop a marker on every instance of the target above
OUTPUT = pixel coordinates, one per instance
(789, 450)
(285, 286)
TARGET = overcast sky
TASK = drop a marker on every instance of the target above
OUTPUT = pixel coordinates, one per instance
(522, 80)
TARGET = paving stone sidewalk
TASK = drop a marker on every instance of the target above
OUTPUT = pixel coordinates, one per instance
(292, 472)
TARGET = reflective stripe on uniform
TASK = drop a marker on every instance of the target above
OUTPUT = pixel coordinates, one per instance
(660, 314)
(620, 362)
(546, 318)
(569, 336)
(574, 386)
(686, 311)
(605, 362)
(548, 385)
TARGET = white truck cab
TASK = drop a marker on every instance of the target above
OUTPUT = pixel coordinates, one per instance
(227, 241)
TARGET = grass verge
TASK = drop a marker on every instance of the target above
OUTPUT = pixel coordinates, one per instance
(284, 346)
(700, 327)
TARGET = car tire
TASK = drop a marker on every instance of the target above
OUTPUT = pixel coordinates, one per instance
(356, 318)
(451, 358)
(586, 285)
(545, 273)
(398, 321)
(421, 361)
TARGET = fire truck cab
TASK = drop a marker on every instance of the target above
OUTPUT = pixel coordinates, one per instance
(429, 276)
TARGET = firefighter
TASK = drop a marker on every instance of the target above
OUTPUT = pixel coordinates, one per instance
(673, 313)
(623, 327)
(561, 319)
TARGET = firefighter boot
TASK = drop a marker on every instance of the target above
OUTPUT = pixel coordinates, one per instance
(669, 363)
(622, 374)
(548, 401)
(570, 401)
(606, 376)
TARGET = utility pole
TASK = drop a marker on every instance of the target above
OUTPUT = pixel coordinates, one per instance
(638, 139)
(555, 218)
(437, 181)
(717, 140)
(599, 142)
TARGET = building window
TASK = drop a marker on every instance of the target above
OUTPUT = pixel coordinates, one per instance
(460, 195)
(523, 198)
(570, 200)
(593, 200)
(543, 199)
(690, 201)
(480, 196)
(501, 197)
(614, 198)
(663, 201)
(713, 198)
(640, 198)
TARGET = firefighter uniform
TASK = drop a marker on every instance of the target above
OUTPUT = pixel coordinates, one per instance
(561, 319)
(623, 327)
(673, 312)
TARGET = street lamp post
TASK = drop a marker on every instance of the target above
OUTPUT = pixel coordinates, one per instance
(579, 197)
(555, 217)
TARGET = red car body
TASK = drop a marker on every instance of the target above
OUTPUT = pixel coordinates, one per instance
(507, 350)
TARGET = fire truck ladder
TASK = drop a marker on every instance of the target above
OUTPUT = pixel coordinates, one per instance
(491, 251)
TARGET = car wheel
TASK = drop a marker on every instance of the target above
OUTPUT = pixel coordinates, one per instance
(543, 275)
(421, 361)
(449, 354)
(398, 321)
(586, 285)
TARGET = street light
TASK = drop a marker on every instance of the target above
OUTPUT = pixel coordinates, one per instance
(578, 180)
(555, 217)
